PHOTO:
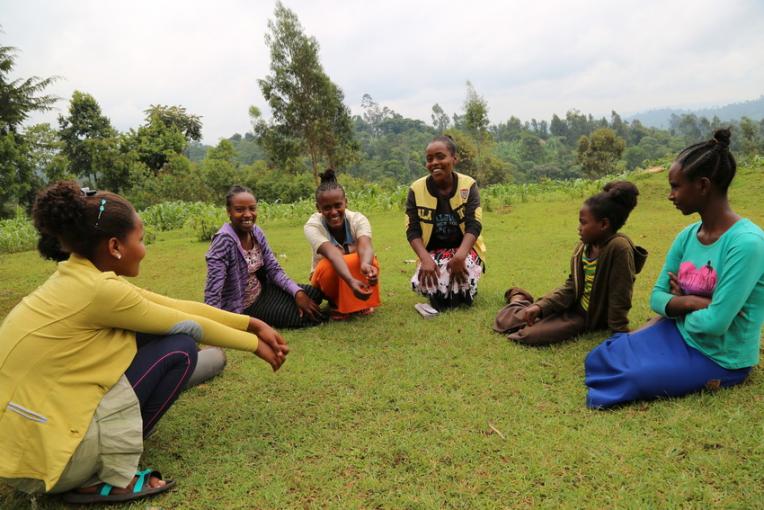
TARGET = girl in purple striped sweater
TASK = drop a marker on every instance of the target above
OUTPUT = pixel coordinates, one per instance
(243, 275)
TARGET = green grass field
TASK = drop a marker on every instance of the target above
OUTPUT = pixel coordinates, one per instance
(393, 411)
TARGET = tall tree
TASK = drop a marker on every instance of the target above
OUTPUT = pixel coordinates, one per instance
(89, 140)
(475, 113)
(440, 119)
(309, 116)
(374, 114)
(475, 122)
(18, 99)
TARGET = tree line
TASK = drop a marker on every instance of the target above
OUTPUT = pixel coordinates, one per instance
(311, 128)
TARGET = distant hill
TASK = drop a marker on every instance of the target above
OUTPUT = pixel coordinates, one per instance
(753, 109)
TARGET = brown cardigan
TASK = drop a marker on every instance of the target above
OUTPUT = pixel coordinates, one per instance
(618, 263)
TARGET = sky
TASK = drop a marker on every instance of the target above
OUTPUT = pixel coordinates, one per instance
(529, 59)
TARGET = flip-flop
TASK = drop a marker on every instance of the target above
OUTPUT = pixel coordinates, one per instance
(140, 490)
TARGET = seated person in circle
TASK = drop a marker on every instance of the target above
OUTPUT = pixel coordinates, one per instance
(344, 267)
(710, 296)
(443, 228)
(89, 362)
(597, 293)
(244, 276)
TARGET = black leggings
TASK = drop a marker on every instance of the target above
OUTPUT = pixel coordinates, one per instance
(159, 373)
(277, 308)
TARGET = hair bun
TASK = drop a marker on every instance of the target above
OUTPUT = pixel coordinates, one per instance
(722, 137)
(328, 176)
(59, 207)
(624, 193)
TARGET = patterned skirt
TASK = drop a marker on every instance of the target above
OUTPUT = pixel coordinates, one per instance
(450, 292)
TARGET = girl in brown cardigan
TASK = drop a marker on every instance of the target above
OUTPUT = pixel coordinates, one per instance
(597, 293)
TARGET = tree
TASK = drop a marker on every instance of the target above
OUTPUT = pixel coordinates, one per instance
(530, 148)
(166, 132)
(599, 152)
(475, 113)
(219, 169)
(558, 127)
(475, 123)
(508, 131)
(750, 136)
(440, 120)
(686, 126)
(17, 181)
(45, 153)
(618, 125)
(374, 114)
(18, 99)
(309, 116)
(176, 117)
(89, 141)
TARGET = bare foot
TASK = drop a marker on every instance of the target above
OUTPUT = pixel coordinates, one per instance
(153, 482)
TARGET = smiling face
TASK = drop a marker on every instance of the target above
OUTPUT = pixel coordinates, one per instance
(331, 204)
(242, 212)
(440, 162)
(686, 195)
(590, 229)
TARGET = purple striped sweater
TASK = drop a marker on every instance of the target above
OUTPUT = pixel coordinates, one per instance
(227, 269)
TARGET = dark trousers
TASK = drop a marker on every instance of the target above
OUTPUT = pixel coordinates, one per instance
(159, 372)
(546, 330)
(277, 308)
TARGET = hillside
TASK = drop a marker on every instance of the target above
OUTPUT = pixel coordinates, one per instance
(660, 118)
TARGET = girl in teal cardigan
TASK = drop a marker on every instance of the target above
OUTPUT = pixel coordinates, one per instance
(710, 296)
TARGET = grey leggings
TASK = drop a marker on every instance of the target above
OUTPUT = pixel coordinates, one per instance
(210, 362)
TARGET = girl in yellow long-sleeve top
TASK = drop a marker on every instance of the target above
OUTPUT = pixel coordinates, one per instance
(90, 362)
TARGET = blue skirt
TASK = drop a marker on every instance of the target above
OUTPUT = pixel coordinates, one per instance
(649, 363)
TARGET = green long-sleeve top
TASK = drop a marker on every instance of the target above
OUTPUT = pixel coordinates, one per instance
(731, 270)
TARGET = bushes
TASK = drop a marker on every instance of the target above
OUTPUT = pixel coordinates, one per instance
(17, 234)
(204, 219)
(171, 215)
(505, 194)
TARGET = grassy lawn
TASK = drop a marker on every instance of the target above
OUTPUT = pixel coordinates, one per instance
(393, 411)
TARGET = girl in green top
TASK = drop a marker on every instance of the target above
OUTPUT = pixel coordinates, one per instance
(710, 296)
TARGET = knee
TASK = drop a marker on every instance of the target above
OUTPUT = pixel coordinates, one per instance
(214, 358)
(185, 344)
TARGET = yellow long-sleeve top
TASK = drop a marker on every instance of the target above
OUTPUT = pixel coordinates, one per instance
(67, 343)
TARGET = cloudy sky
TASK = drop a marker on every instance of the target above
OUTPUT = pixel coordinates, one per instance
(527, 58)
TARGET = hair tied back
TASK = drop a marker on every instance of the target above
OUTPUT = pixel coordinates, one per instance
(722, 138)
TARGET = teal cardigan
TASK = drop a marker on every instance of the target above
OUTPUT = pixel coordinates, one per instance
(729, 330)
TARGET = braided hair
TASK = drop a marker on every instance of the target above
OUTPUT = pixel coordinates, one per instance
(615, 202)
(711, 159)
(328, 182)
(70, 220)
(448, 141)
(233, 191)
